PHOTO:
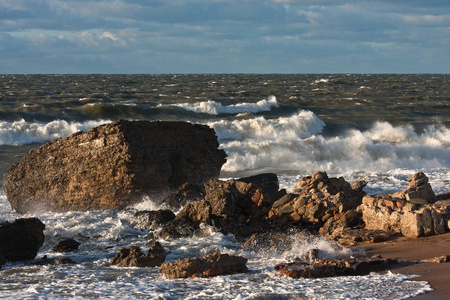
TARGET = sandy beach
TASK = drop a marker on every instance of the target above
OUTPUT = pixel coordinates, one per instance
(410, 251)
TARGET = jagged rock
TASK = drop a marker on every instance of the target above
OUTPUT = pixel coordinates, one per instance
(233, 207)
(187, 193)
(321, 201)
(112, 166)
(67, 245)
(133, 256)
(266, 182)
(419, 191)
(178, 228)
(207, 266)
(338, 267)
(414, 218)
(21, 239)
(152, 220)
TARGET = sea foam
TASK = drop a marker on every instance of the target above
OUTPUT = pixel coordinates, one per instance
(23, 132)
(215, 108)
(295, 144)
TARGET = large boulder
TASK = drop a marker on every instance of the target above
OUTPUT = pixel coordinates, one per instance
(207, 266)
(112, 166)
(21, 239)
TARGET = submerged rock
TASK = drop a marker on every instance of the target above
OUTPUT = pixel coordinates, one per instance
(334, 267)
(134, 257)
(67, 245)
(207, 266)
(21, 239)
(112, 166)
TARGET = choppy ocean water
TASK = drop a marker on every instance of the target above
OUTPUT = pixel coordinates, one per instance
(380, 128)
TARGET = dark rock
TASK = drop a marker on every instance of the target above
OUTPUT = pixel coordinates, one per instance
(445, 196)
(112, 166)
(152, 220)
(186, 193)
(178, 228)
(338, 267)
(57, 261)
(283, 200)
(133, 256)
(21, 239)
(275, 242)
(233, 207)
(67, 245)
(199, 211)
(266, 182)
(2, 259)
(207, 266)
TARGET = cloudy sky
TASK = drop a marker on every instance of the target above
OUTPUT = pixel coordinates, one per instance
(224, 36)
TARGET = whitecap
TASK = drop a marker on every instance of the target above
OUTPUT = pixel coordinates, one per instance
(215, 108)
(23, 132)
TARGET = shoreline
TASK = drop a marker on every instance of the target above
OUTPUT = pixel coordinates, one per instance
(409, 252)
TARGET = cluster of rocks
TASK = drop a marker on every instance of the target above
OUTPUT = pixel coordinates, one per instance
(413, 212)
(115, 165)
(232, 207)
(134, 257)
(327, 203)
(21, 239)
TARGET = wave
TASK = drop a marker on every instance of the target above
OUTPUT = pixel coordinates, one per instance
(300, 125)
(22, 132)
(215, 108)
(260, 144)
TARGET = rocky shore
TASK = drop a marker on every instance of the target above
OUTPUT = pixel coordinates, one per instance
(114, 164)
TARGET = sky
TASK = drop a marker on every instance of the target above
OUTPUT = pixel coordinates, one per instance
(224, 36)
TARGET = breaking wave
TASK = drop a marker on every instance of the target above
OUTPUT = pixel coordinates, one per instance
(295, 144)
(215, 108)
(22, 132)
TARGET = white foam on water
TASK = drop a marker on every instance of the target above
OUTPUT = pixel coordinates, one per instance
(23, 132)
(263, 130)
(215, 108)
(294, 144)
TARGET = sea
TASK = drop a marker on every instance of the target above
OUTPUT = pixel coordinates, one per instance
(381, 128)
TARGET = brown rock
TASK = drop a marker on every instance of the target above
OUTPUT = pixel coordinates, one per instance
(437, 260)
(67, 245)
(207, 266)
(112, 166)
(339, 267)
(21, 239)
(133, 256)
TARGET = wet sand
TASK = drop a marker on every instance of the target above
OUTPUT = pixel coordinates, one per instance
(410, 251)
